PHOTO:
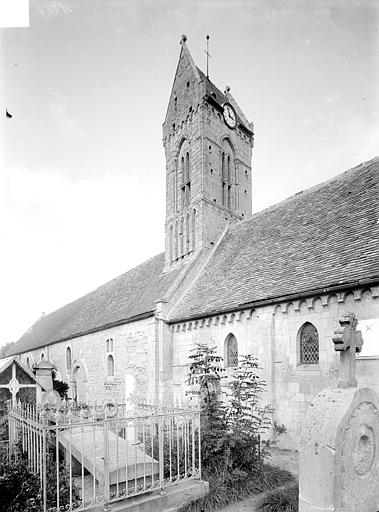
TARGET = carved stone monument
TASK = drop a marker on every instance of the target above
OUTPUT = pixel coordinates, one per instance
(339, 445)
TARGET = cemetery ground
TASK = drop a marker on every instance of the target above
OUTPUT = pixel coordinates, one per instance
(235, 457)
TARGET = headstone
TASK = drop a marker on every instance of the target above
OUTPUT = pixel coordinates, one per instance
(339, 445)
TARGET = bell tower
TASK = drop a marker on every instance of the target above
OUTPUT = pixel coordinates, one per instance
(208, 143)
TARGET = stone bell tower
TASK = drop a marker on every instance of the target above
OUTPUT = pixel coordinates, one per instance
(208, 143)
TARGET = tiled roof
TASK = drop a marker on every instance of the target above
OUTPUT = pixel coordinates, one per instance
(127, 296)
(320, 237)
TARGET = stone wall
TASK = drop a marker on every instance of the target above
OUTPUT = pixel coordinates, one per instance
(134, 352)
(272, 334)
(194, 126)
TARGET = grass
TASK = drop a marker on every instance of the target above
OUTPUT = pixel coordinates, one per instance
(281, 500)
(224, 490)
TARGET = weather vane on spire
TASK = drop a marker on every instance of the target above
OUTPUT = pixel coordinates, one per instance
(208, 55)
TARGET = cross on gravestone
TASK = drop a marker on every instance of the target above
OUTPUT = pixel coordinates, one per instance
(348, 341)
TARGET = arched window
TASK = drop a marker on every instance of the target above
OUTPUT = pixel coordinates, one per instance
(181, 251)
(110, 366)
(188, 237)
(68, 358)
(193, 230)
(176, 247)
(227, 181)
(42, 356)
(231, 351)
(28, 362)
(182, 168)
(170, 241)
(309, 344)
(185, 171)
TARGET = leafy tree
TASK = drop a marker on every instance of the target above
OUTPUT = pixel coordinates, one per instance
(4, 349)
(246, 418)
(231, 424)
(207, 372)
(61, 386)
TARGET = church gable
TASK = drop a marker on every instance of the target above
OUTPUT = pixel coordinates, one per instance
(325, 236)
(186, 91)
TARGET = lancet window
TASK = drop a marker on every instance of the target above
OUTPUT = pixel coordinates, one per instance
(68, 358)
(309, 344)
(227, 175)
(231, 351)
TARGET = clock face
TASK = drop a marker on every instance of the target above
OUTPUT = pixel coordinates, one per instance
(230, 117)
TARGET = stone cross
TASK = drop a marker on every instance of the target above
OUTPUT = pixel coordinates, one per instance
(348, 341)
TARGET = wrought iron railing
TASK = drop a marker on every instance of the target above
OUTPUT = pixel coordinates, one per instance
(83, 458)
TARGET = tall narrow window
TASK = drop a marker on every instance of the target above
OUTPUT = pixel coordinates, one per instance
(309, 344)
(176, 241)
(28, 362)
(68, 358)
(187, 166)
(170, 241)
(194, 230)
(110, 366)
(188, 233)
(42, 356)
(181, 237)
(186, 180)
(227, 175)
(231, 351)
(182, 168)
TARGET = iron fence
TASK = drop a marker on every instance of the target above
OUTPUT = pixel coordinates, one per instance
(84, 458)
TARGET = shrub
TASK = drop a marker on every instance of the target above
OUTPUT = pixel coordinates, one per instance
(62, 387)
(279, 429)
(284, 499)
(232, 419)
(231, 425)
(20, 489)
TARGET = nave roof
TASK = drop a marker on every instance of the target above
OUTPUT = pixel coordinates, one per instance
(126, 297)
(324, 236)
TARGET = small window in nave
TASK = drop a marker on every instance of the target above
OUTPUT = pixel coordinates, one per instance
(110, 366)
(231, 351)
(109, 344)
(68, 358)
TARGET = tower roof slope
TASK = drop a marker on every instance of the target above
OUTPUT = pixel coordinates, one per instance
(213, 91)
(324, 236)
(126, 297)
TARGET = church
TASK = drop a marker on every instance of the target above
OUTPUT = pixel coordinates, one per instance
(273, 284)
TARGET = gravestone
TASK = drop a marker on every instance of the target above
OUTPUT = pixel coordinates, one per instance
(339, 445)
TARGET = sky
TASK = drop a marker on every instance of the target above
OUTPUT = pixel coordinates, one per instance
(82, 168)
